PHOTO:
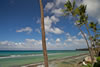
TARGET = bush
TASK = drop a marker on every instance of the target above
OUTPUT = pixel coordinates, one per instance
(98, 62)
(88, 65)
(98, 59)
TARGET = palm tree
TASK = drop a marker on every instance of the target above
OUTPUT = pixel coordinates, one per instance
(84, 36)
(94, 27)
(84, 21)
(79, 14)
(43, 36)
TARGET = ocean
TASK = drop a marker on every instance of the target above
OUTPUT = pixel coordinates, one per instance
(17, 58)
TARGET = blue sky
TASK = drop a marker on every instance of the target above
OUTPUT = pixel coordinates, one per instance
(20, 26)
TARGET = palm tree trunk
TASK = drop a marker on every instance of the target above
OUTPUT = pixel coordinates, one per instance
(95, 44)
(90, 43)
(94, 48)
(43, 36)
(85, 40)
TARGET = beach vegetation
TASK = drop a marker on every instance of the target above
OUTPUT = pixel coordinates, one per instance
(81, 18)
(98, 59)
(88, 65)
(97, 64)
(96, 36)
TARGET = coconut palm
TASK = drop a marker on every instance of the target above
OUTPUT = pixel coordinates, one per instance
(43, 36)
(94, 27)
(79, 14)
(83, 18)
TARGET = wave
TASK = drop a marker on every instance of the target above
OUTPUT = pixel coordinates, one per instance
(17, 56)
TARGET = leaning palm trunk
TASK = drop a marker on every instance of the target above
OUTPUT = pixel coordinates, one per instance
(43, 36)
(86, 41)
(90, 43)
(95, 45)
(94, 48)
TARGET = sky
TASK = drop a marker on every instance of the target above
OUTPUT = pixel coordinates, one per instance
(20, 25)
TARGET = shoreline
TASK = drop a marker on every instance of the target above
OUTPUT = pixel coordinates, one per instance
(41, 64)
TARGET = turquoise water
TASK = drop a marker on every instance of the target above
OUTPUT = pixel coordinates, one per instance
(16, 58)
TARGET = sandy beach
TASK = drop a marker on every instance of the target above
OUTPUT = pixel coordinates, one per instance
(62, 62)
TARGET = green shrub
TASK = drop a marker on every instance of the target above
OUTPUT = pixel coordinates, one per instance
(98, 59)
(88, 65)
(97, 64)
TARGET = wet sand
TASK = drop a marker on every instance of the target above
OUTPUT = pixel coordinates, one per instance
(61, 62)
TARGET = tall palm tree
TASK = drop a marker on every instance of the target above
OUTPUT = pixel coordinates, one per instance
(94, 27)
(84, 20)
(43, 36)
(78, 12)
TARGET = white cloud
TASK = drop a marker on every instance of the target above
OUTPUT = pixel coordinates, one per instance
(47, 21)
(30, 40)
(54, 4)
(26, 29)
(59, 2)
(57, 30)
(99, 20)
(10, 45)
(69, 39)
(48, 25)
(28, 44)
(4, 42)
(57, 12)
(80, 34)
(93, 8)
(54, 19)
(49, 6)
(71, 42)
(74, 42)
(58, 40)
(54, 9)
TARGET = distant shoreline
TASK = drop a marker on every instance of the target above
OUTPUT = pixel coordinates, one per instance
(36, 50)
(42, 50)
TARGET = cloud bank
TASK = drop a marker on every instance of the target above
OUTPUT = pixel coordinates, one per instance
(70, 43)
(93, 8)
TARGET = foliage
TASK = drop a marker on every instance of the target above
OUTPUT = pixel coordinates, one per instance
(97, 64)
(79, 13)
(98, 59)
(88, 65)
(94, 28)
(76, 11)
